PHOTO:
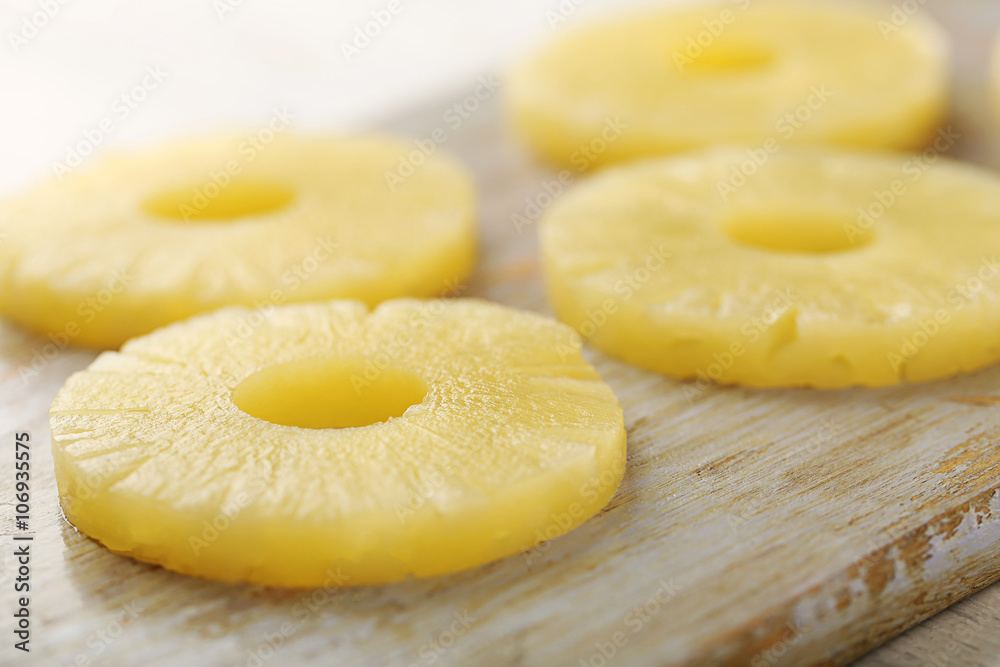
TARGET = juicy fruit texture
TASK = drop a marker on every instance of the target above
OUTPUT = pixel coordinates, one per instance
(685, 78)
(138, 240)
(824, 269)
(333, 444)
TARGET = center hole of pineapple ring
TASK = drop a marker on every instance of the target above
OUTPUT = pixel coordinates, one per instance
(219, 200)
(329, 393)
(723, 58)
(797, 230)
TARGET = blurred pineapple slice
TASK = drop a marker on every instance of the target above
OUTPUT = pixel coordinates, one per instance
(818, 268)
(335, 445)
(743, 72)
(139, 240)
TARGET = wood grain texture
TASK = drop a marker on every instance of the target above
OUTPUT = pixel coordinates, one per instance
(964, 635)
(752, 528)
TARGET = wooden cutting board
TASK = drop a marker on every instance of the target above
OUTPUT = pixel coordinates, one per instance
(752, 527)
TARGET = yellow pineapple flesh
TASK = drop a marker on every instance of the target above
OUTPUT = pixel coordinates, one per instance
(681, 78)
(334, 443)
(141, 239)
(817, 268)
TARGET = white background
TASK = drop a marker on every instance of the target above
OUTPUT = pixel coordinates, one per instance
(230, 62)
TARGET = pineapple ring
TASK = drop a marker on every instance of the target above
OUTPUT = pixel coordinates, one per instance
(336, 445)
(139, 240)
(808, 267)
(733, 72)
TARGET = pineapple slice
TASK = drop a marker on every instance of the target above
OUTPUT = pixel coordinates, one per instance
(808, 267)
(139, 240)
(732, 72)
(334, 444)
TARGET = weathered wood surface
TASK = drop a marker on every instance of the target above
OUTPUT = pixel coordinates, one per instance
(752, 527)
